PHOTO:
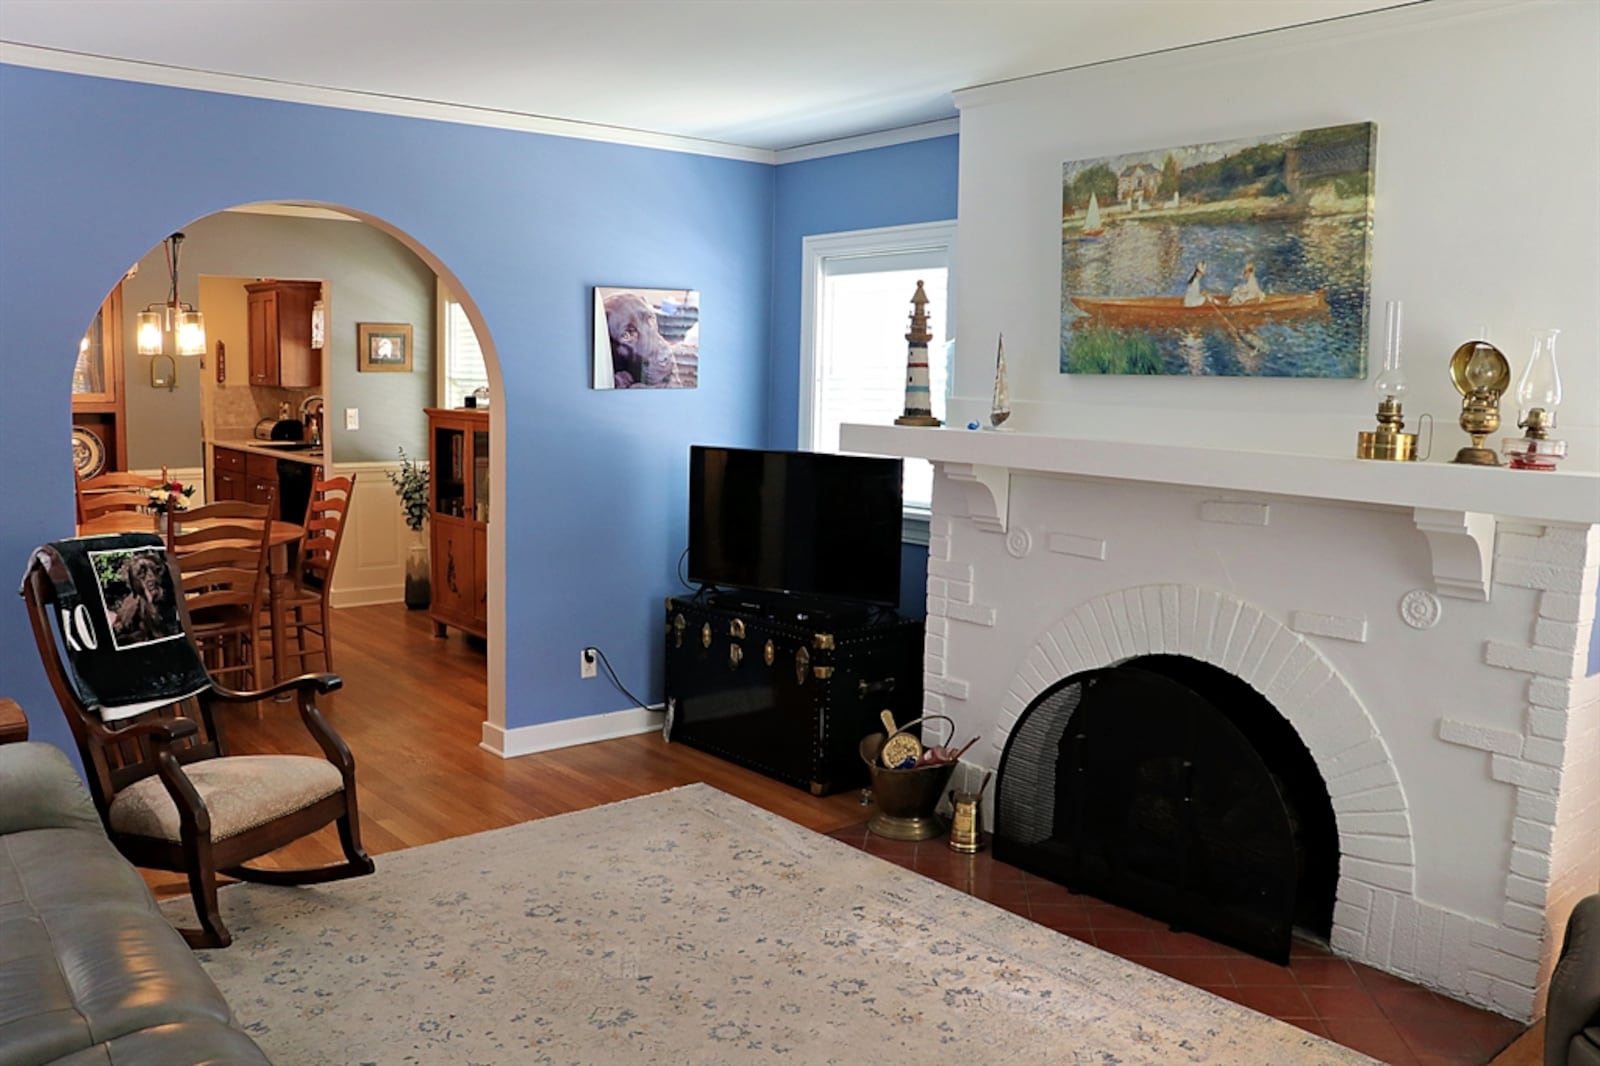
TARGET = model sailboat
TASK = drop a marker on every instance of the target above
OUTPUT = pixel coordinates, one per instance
(1000, 407)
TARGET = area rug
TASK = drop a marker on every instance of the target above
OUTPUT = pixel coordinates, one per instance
(691, 927)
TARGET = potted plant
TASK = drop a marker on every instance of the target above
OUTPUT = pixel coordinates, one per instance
(411, 485)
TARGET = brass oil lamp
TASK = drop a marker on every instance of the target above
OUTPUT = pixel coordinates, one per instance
(1389, 441)
(1481, 375)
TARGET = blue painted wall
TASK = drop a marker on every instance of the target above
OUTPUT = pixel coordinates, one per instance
(91, 179)
(894, 186)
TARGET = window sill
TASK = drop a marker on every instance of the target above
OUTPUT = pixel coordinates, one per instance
(914, 526)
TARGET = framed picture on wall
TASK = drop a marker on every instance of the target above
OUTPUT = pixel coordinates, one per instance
(646, 338)
(383, 346)
(1244, 258)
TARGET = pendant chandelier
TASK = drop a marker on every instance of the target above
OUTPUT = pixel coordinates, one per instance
(187, 325)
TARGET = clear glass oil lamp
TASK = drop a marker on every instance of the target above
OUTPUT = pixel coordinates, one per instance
(1538, 396)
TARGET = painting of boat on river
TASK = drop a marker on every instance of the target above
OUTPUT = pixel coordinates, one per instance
(1239, 258)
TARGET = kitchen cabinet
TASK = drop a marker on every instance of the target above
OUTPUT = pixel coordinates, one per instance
(261, 480)
(227, 475)
(280, 334)
(252, 477)
(458, 512)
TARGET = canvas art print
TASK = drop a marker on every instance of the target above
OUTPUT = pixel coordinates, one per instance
(1240, 258)
(646, 338)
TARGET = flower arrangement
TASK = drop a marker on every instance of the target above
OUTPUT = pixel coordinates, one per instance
(170, 495)
(411, 485)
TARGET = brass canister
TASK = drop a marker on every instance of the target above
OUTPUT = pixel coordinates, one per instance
(966, 824)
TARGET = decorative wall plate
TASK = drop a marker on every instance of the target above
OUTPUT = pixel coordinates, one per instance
(88, 452)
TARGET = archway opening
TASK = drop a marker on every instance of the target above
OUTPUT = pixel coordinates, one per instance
(149, 412)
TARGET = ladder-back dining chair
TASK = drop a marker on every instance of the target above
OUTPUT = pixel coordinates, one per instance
(307, 607)
(119, 491)
(110, 620)
(221, 550)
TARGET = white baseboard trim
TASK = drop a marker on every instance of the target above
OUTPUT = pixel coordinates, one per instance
(368, 597)
(548, 736)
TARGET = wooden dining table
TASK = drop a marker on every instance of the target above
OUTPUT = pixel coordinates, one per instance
(282, 537)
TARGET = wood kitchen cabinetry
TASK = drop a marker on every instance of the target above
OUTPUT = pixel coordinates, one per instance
(250, 477)
(227, 475)
(280, 334)
(458, 512)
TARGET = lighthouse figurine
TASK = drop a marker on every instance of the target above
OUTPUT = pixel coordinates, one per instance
(918, 409)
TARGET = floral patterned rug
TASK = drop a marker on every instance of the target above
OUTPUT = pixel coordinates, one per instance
(691, 927)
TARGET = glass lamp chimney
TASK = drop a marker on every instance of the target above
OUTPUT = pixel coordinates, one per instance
(1540, 386)
(148, 332)
(1392, 383)
(191, 333)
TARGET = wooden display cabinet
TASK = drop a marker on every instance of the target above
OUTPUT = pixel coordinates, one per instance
(97, 402)
(280, 334)
(458, 512)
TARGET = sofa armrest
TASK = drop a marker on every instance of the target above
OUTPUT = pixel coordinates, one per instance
(1574, 1002)
(39, 789)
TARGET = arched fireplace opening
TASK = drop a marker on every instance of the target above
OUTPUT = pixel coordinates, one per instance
(1169, 786)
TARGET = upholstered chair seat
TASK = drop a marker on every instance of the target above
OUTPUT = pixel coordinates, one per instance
(240, 792)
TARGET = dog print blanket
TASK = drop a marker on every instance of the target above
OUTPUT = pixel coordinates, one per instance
(120, 630)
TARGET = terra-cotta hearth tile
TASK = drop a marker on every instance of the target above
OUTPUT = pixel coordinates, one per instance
(1371, 1036)
(1280, 1001)
(1326, 972)
(1121, 941)
(1252, 971)
(1333, 1001)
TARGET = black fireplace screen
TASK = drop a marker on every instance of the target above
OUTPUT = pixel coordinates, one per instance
(1171, 787)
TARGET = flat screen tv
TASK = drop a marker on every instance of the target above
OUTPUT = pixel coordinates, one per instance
(803, 524)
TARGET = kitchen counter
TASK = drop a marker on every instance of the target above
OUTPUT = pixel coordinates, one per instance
(311, 457)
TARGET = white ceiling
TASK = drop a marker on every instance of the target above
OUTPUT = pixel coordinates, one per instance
(764, 74)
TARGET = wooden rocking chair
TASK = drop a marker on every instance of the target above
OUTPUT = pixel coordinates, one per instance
(171, 796)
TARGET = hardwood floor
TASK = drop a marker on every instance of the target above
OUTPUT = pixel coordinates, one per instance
(412, 710)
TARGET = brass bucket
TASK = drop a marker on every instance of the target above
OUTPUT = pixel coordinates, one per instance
(906, 798)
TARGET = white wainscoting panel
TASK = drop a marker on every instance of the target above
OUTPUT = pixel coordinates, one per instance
(186, 475)
(372, 556)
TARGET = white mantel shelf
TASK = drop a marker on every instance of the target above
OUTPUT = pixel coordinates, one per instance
(1533, 495)
(1455, 507)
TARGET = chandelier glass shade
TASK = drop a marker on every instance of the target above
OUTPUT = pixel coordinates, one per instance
(187, 325)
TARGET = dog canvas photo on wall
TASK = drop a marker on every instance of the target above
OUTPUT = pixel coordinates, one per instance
(646, 338)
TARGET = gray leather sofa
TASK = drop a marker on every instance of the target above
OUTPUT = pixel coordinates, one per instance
(90, 972)
(1572, 1013)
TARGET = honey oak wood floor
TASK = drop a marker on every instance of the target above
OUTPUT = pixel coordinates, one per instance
(412, 710)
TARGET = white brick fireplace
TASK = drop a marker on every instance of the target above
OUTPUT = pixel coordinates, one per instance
(1425, 629)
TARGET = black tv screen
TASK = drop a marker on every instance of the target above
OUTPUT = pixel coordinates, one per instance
(800, 523)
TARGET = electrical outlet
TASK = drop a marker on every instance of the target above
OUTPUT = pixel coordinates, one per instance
(588, 663)
(352, 418)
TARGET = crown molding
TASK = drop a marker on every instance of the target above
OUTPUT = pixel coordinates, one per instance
(24, 55)
(1357, 26)
(925, 131)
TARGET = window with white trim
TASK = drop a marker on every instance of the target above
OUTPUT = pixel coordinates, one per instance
(463, 369)
(856, 291)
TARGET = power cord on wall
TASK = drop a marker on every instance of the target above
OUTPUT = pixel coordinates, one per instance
(612, 674)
